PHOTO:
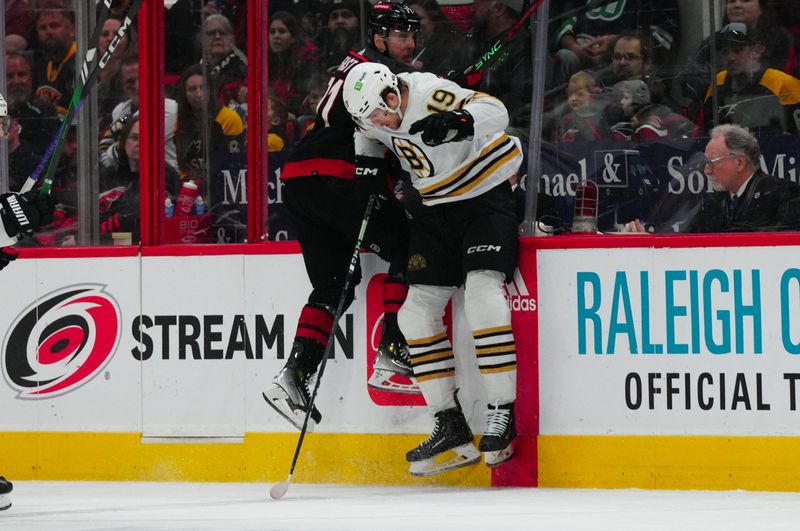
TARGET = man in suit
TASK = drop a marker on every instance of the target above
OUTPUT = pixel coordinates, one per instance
(745, 199)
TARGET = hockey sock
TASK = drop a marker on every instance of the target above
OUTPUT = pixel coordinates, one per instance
(311, 339)
(432, 359)
(394, 294)
(490, 320)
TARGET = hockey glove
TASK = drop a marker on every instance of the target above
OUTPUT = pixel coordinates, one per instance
(371, 178)
(441, 127)
(26, 213)
(7, 255)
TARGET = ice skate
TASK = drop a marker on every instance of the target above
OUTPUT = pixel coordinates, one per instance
(5, 493)
(392, 368)
(449, 447)
(500, 432)
(289, 395)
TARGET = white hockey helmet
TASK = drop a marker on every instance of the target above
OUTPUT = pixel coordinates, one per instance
(364, 87)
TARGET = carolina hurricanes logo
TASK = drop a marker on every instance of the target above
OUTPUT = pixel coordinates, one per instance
(61, 341)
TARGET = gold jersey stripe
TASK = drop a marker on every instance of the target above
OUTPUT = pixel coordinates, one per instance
(459, 173)
(493, 330)
(484, 175)
(496, 370)
(426, 340)
(435, 376)
(485, 351)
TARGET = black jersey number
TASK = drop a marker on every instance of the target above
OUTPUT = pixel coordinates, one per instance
(442, 101)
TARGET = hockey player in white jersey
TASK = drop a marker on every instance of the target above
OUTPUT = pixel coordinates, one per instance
(451, 141)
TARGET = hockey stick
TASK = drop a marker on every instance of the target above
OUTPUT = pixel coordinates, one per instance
(85, 82)
(473, 73)
(278, 490)
(79, 87)
(480, 64)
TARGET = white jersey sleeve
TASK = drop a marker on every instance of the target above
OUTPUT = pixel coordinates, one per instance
(367, 146)
(452, 171)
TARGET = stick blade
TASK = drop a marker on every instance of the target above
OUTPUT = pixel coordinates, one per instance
(278, 490)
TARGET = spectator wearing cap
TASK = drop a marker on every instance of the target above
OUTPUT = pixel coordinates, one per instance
(765, 100)
(509, 81)
(761, 18)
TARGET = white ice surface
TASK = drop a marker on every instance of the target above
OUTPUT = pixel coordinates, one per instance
(232, 506)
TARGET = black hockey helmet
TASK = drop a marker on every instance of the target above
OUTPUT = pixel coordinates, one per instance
(387, 15)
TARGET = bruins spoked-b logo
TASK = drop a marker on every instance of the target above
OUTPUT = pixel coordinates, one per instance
(61, 341)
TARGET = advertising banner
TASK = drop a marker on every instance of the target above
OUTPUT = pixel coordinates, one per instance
(670, 341)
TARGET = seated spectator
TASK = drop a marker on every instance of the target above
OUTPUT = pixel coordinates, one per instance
(585, 39)
(279, 137)
(584, 120)
(22, 157)
(110, 91)
(765, 100)
(631, 60)
(509, 81)
(129, 78)
(763, 23)
(744, 198)
(227, 64)
(652, 122)
(236, 12)
(628, 97)
(16, 43)
(19, 20)
(441, 47)
(340, 32)
(119, 196)
(290, 58)
(38, 118)
(316, 90)
(54, 76)
(224, 129)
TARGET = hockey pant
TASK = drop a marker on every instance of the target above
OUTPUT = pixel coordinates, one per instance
(432, 359)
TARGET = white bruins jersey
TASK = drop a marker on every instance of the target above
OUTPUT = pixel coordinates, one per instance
(452, 171)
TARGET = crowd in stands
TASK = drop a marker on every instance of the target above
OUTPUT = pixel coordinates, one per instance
(619, 71)
(205, 107)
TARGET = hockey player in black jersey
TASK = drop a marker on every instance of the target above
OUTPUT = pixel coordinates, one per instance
(326, 190)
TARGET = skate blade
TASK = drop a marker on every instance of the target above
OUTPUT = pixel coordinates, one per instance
(382, 380)
(465, 455)
(5, 501)
(278, 403)
(493, 459)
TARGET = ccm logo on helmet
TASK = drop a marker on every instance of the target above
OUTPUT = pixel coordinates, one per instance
(484, 249)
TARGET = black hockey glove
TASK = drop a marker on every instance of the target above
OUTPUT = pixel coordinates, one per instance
(7, 255)
(26, 213)
(441, 127)
(371, 179)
